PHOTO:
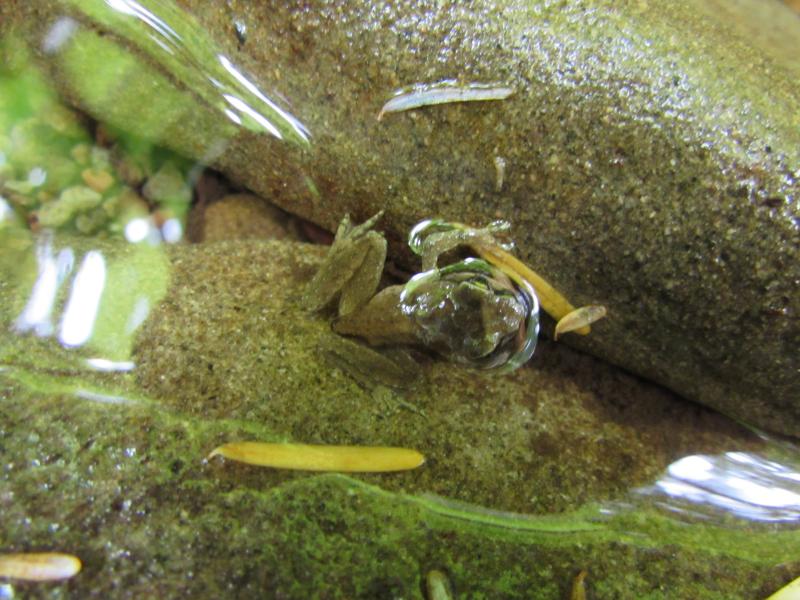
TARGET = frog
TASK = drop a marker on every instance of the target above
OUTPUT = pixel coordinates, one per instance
(470, 312)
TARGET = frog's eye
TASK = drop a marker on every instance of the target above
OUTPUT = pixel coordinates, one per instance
(473, 313)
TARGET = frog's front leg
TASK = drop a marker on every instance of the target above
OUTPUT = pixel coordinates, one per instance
(381, 321)
(352, 269)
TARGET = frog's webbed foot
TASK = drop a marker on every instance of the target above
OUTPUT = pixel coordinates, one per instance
(433, 237)
(352, 269)
(347, 231)
(392, 367)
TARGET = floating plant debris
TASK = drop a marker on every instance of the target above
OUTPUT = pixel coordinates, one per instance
(307, 457)
(39, 566)
(579, 318)
(443, 92)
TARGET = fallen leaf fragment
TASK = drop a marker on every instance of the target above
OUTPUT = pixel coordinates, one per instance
(579, 319)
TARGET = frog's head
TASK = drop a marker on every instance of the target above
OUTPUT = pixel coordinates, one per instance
(473, 313)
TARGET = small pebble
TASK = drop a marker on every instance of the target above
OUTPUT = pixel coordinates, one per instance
(98, 180)
(241, 216)
(167, 185)
(100, 157)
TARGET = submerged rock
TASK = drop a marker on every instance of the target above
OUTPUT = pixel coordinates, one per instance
(240, 217)
(228, 353)
(651, 153)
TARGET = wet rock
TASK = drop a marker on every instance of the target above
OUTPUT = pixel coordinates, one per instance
(230, 339)
(240, 217)
(228, 354)
(651, 155)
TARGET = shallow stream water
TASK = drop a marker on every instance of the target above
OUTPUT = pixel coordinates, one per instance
(128, 352)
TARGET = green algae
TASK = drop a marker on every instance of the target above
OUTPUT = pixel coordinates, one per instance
(168, 108)
(135, 278)
(170, 523)
(317, 536)
(175, 44)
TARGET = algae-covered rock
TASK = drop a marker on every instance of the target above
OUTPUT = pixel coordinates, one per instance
(71, 201)
(651, 151)
(118, 448)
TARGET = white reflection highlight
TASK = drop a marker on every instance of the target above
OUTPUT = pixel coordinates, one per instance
(137, 230)
(232, 116)
(52, 272)
(105, 365)
(104, 398)
(37, 176)
(242, 106)
(743, 484)
(161, 43)
(251, 87)
(139, 313)
(58, 34)
(6, 212)
(130, 7)
(84, 300)
(694, 468)
(172, 231)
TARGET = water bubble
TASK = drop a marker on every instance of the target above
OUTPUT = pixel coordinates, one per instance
(472, 313)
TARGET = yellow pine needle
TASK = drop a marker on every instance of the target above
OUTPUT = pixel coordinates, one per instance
(578, 591)
(39, 566)
(306, 457)
(551, 300)
(791, 591)
(580, 317)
